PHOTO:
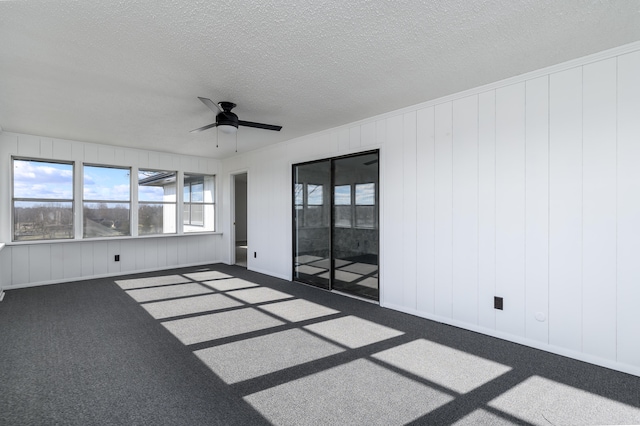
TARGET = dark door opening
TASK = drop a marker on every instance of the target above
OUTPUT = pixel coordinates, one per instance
(240, 220)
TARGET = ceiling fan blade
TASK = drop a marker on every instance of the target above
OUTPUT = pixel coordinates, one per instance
(212, 105)
(259, 125)
(208, 126)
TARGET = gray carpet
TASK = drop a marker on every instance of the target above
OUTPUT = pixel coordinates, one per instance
(223, 345)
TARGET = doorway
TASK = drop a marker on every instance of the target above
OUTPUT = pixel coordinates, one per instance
(336, 225)
(240, 182)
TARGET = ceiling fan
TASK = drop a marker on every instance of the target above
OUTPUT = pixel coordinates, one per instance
(228, 122)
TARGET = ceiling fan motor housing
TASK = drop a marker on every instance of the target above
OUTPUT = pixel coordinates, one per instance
(227, 118)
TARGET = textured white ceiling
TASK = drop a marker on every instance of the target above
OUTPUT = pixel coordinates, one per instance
(129, 73)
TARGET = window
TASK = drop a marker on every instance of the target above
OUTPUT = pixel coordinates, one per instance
(342, 203)
(156, 202)
(106, 201)
(42, 200)
(314, 215)
(198, 203)
(366, 205)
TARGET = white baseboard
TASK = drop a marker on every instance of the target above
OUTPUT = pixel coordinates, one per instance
(107, 275)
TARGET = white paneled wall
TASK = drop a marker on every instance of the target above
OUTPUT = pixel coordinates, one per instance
(443, 193)
(465, 210)
(48, 262)
(599, 208)
(526, 189)
(486, 209)
(627, 286)
(425, 220)
(537, 209)
(565, 209)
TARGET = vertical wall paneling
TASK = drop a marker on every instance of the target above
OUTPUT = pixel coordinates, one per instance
(443, 210)
(57, 262)
(486, 208)
(139, 250)
(381, 131)
(425, 184)
(87, 259)
(72, 255)
(183, 246)
(113, 249)
(537, 209)
(628, 210)
(409, 166)
(90, 153)
(343, 139)
(39, 263)
(154, 160)
(101, 257)
(161, 244)
(368, 134)
(20, 265)
(131, 157)
(46, 148)
(143, 161)
(150, 249)
(465, 210)
(8, 147)
(119, 157)
(203, 165)
(62, 149)
(6, 267)
(106, 154)
(392, 251)
(599, 209)
(510, 207)
(354, 137)
(28, 146)
(172, 252)
(166, 162)
(565, 209)
(77, 151)
(129, 255)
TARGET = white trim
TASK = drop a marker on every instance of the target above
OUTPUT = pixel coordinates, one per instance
(580, 356)
(114, 274)
(124, 238)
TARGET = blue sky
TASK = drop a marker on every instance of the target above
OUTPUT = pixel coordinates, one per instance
(109, 184)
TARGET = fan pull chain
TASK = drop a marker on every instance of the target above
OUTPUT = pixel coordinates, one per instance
(236, 141)
(217, 136)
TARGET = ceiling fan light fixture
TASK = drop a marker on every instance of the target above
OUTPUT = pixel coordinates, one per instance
(227, 128)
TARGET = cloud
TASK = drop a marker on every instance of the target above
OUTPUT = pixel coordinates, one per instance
(365, 194)
(32, 179)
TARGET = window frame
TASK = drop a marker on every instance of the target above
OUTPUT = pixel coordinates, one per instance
(130, 202)
(12, 215)
(167, 173)
(197, 178)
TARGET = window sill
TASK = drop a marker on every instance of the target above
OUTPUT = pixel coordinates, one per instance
(86, 240)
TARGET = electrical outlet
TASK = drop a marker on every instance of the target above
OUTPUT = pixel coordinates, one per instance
(498, 303)
(117, 258)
